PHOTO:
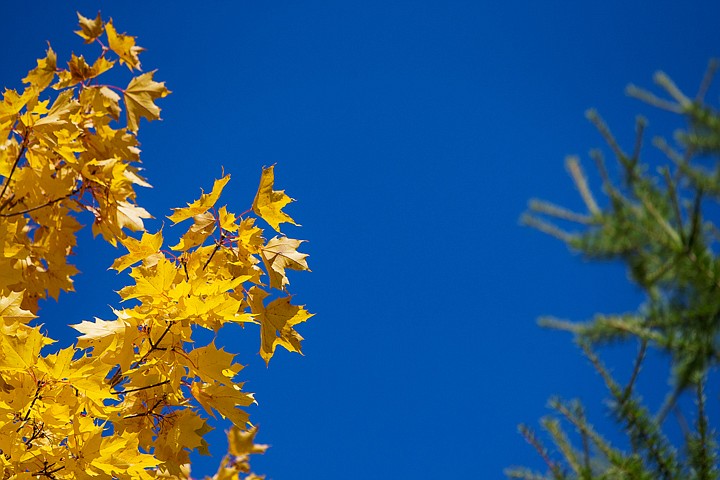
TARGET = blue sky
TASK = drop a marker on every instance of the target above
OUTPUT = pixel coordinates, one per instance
(412, 135)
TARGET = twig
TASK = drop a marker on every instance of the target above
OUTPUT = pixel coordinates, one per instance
(23, 149)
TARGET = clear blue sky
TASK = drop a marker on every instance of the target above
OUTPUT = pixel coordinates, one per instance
(412, 134)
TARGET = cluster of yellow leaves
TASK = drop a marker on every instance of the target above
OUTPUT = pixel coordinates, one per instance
(136, 394)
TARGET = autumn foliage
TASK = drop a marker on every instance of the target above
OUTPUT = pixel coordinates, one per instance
(136, 393)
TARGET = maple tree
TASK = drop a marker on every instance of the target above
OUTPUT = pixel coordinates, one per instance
(135, 395)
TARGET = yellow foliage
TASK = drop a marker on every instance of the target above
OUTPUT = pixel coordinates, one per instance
(136, 394)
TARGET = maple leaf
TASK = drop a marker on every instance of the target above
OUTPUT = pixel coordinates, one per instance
(42, 75)
(140, 95)
(79, 71)
(203, 204)
(90, 29)
(249, 237)
(202, 227)
(186, 431)
(20, 346)
(153, 283)
(124, 46)
(268, 203)
(243, 442)
(129, 215)
(11, 310)
(281, 253)
(138, 250)
(102, 100)
(224, 399)
(277, 321)
(211, 364)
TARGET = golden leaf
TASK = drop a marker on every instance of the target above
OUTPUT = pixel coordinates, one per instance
(268, 203)
(124, 46)
(281, 253)
(243, 442)
(11, 310)
(89, 29)
(139, 99)
(277, 321)
(203, 204)
(138, 250)
(42, 75)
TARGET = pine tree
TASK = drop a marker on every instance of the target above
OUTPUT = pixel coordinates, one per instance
(658, 223)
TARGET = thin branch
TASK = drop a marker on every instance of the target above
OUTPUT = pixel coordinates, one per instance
(573, 166)
(707, 79)
(154, 347)
(627, 391)
(133, 390)
(604, 130)
(23, 149)
(702, 426)
(682, 422)
(640, 124)
(694, 220)
(651, 99)
(38, 207)
(666, 82)
(547, 228)
(217, 247)
(563, 213)
(672, 193)
(530, 437)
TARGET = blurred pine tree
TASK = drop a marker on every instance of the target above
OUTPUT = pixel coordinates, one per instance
(659, 225)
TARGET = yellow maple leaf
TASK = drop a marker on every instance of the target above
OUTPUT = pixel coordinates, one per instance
(140, 95)
(185, 431)
(211, 364)
(225, 399)
(203, 204)
(79, 71)
(90, 29)
(20, 346)
(11, 310)
(249, 237)
(102, 100)
(129, 215)
(202, 227)
(42, 75)
(277, 321)
(124, 46)
(153, 283)
(13, 102)
(268, 203)
(281, 253)
(138, 250)
(242, 443)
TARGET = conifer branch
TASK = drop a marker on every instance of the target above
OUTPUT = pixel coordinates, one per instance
(672, 193)
(547, 228)
(651, 99)
(599, 160)
(572, 164)
(707, 79)
(553, 427)
(556, 211)
(628, 390)
(532, 439)
(640, 124)
(604, 130)
(664, 81)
